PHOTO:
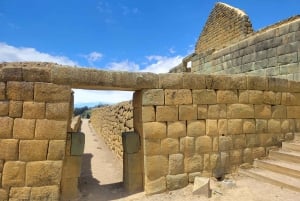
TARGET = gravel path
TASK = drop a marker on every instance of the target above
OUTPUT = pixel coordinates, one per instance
(101, 180)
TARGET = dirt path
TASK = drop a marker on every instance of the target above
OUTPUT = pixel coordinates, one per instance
(101, 180)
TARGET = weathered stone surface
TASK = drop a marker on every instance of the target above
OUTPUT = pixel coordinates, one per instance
(43, 173)
(247, 156)
(156, 186)
(187, 145)
(166, 113)
(6, 127)
(202, 186)
(48, 92)
(193, 175)
(235, 126)
(57, 111)
(178, 97)
(9, 149)
(261, 126)
(56, 150)
(50, 129)
(225, 143)
(274, 126)
(223, 126)
(188, 112)
(154, 130)
(152, 147)
(176, 165)
(169, 146)
(33, 110)
(211, 127)
(252, 140)
(204, 96)
(176, 129)
(193, 81)
(39, 153)
(15, 108)
(203, 144)
(21, 193)
(202, 111)
(2, 90)
(3, 195)
(20, 90)
(240, 111)
(257, 83)
(148, 114)
(69, 189)
(193, 163)
(71, 166)
(13, 174)
(227, 96)
(171, 81)
(293, 112)
(217, 111)
(235, 157)
(272, 98)
(4, 108)
(153, 97)
(24, 128)
(262, 111)
(258, 152)
(156, 167)
(278, 112)
(45, 193)
(177, 181)
(256, 96)
(196, 128)
(239, 141)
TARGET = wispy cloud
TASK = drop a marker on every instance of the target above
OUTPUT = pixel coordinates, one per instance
(93, 57)
(127, 10)
(10, 53)
(172, 50)
(123, 66)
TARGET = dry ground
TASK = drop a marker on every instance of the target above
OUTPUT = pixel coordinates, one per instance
(101, 180)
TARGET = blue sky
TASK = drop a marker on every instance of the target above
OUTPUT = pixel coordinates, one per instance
(129, 35)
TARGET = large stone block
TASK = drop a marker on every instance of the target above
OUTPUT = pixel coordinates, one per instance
(257, 83)
(9, 149)
(272, 98)
(15, 108)
(204, 96)
(239, 141)
(235, 126)
(235, 157)
(43, 173)
(156, 186)
(225, 143)
(166, 113)
(153, 97)
(57, 111)
(154, 130)
(50, 129)
(24, 128)
(13, 174)
(202, 111)
(278, 112)
(148, 114)
(4, 108)
(20, 193)
(249, 126)
(240, 111)
(217, 111)
(223, 126)
(193, 163)
(3, 192)
(203, 144)
(69, 188)
(274, 126)
(176, 165)
(45, 193)
(2, 90)
(169, 146)
(261, 126)
(171, 81)
(71, 166)
(176, 129)
(6, 127)
(262, 111)
(156, 166)
(40, 148)
(193, 81)
(56, 150)
(187, 145)
(227, 96)
(293, 112)
(152, 147)
(256, 96)
(247, 156)
(178, 97)
(211, 127)
(47, 92)
(243, 96)
(258, 152)
(188, 112)
(196, 128)
(177, 181)
(20, 90)
(33, 110)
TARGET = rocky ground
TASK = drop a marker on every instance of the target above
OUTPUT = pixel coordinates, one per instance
(101, 180)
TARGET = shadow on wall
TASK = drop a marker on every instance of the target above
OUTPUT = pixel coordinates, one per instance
(91, 189)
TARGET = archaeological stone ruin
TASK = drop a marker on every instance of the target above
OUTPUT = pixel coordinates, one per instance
(239, 99)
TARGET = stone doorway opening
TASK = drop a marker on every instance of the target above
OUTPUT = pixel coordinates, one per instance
(103, 170)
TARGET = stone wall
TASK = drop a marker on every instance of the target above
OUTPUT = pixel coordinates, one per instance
(224, 25)
(111, 121)
(209, 125)
(271, 52)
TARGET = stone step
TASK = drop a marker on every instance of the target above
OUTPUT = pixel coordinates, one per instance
(289, 156)
(287, 168)
(291, 146)
(274, 178)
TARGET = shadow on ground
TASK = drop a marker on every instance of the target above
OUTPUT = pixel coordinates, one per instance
(92, 190)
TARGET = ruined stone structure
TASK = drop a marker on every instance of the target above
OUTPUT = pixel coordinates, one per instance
(111, 121)
(187, 124)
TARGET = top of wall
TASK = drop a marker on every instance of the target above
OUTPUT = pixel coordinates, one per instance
(225, 25)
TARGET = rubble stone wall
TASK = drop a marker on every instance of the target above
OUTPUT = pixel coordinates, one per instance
(111, 121)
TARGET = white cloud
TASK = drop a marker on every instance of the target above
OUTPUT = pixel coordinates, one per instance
(93, 57)
(123, 66)
(162, 64)
(172, 50)
(10, 53)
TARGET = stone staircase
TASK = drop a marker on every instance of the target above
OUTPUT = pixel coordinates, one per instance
(281, 167)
